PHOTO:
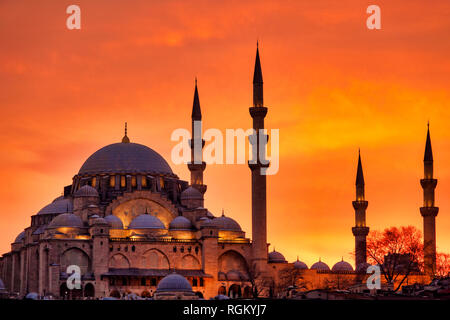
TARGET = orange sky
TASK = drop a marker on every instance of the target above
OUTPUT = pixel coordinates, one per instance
(331, 86)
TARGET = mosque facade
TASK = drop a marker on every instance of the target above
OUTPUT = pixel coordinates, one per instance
(133, 226)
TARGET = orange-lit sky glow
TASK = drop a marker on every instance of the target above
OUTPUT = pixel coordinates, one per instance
(331, 86)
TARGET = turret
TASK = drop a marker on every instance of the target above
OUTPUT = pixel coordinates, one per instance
(197, 165)
(360, 230)
(429, 211)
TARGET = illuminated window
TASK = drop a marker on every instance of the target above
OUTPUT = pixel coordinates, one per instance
(123, 182)
(112, 181)
(94, 181)
(133, 181)
(161, 183)
(144, 181)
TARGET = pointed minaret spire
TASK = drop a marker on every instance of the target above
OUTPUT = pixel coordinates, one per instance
(359, 173)
(258, 96)
(125, 138)
(428, 151)
(196, 111)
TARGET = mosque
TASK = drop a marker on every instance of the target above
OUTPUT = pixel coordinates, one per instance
(133, 226)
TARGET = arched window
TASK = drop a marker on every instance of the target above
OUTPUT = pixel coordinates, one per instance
(133, 181)
(112, 181)
(133, 248)
(123, 182)
(144, 182)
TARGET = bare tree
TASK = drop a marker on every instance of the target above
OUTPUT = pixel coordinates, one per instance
(443, 264)
(290, 278)
(397, 251)
(261, 283)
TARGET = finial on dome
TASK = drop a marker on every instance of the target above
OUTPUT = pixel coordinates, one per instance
(223, 213)
(125, 138)
(342, 259)
(297, 258)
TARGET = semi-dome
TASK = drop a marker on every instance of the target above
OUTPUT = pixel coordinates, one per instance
(40, 229)
(86, 191)
(68, 220)
(276, 257)
(146, 221)
(300, 265)
(180, 223)
(191, 194)
(174, 283)
(59, 205)
(125, 158)
(342, 266)
(320, 266)
(20, 237)
(114, 222)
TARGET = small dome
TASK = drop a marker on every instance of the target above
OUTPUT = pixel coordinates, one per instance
(114, 222)
(300, 265)
(146, 221)
(69, 220)
(180, 223)
(342, 266)
(320, 266)
(20, 237)
(362, 267)
(100, 221)
(191, 194)
(86, 191)
(174, 283)
(224, 223)
(59, 205)
(276, 257)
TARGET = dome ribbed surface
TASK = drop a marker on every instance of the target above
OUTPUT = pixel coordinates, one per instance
(276, 257)
(146, 221)
(174, 283)
(342, 266)
(59, 205)
(320, 266)
(125, 158)
(114, 222)
(86, 191)
(180, 223)
(68, 220)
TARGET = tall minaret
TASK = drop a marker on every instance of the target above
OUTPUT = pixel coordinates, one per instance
(259, 210)
(429, 211)
(360, 231)
(197, 168)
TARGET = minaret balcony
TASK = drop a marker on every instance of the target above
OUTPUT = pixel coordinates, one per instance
(429, 211)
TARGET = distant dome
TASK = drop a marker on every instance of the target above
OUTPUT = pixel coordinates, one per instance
(180, 223)
(146, 221)
(99, 221)
(276, 257)
(191, 194)
(300, 265)
(20, 237)
(362, 267)
(86, 191)
(174, 283)
(320, 266)
(125, 158)
(342, 266)
(68, 220)
(114, 222)
(224, 223)
(59, 205)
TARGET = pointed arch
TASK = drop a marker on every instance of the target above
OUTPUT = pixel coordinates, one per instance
(119, 261)
(155, 259)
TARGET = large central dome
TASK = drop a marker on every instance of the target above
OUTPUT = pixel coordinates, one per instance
(125, 158)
